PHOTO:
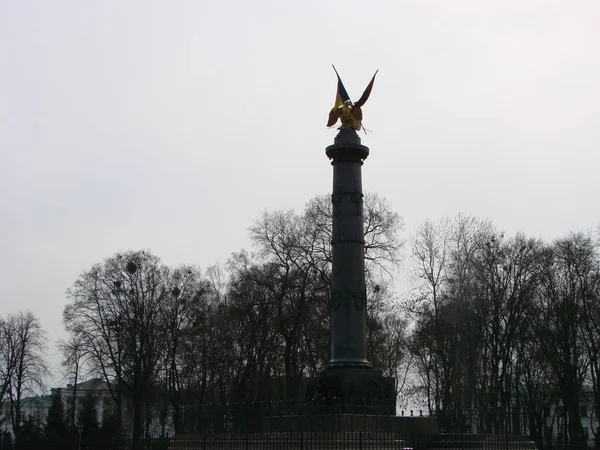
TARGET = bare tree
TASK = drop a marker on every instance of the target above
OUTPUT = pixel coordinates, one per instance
(288, 294)
(117, 308)
(586, 279)
(295, 250)
(559, 329)
(257, 309)
(190, 340)
(382, 227)
(8, 352)
(507, 279)
(447, 333)
(24, 367)
(387, 330)
(74, 365)
(486, 307)
(536, 379)
(573, 290)
(430, 252)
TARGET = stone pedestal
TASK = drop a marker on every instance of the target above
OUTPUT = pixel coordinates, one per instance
(351, 391)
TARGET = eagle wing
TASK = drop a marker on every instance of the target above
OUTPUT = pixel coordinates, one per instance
(334, 115)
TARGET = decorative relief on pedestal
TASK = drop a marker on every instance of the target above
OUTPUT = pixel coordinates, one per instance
(357, 300)
(373, 393)
(368, 393)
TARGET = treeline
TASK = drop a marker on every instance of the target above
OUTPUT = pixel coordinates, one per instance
(506, 326)
(166, 337)
(23, 367)
(490, 323)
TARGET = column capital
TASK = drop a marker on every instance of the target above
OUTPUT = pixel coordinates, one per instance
(347, 147)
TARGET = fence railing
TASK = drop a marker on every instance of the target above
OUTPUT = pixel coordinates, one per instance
(285, 441)
(265, 417)
(308, 440)
(270, 426)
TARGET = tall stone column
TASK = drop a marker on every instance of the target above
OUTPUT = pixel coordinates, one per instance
(348, 289)
(349, 383)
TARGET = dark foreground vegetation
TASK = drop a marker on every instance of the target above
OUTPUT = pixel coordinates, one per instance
(496, 334)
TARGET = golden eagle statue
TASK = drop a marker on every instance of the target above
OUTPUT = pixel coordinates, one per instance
(349, 114)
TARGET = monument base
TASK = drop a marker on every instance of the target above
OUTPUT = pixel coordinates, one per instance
(353, 422)
(350, 390)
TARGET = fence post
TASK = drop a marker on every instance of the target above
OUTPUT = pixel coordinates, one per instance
(247, 443)
(302, 418)
(360, 440)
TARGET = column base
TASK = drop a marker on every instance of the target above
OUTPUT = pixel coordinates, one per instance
(351, 390)
(349, 364)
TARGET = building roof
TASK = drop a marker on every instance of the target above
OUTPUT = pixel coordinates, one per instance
(94, 384)
(39, 401)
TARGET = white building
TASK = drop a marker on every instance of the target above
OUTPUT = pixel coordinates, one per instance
(37, 408)
(105, 405)
(34, 408)
(555, 418)
(73, 397)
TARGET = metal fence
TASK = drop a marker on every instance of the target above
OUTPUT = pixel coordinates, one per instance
(283, 440)
(308, 440)
(260, 426)
(301, 440)
(263, 416)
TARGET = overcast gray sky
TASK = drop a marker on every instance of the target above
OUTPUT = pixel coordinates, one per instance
(169, 125)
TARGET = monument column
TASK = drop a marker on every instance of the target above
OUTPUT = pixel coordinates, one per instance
(348, 289)
(349, 382)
